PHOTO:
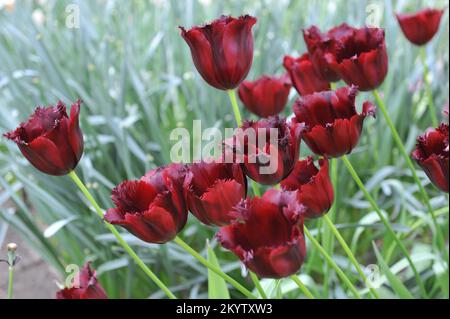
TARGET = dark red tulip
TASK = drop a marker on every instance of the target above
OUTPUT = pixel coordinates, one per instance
(363, 60)
(267, 234)
(87, 286)
(213, 189)
(324, 47)
(222, 50)
(304, 76)
(152, 208)
(268, 148)
(431, 154)
(51, 140)
(332, 125)
(266, 96)
(315, 190)
(420, 27)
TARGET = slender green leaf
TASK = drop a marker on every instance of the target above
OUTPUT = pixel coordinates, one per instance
(395, 282)
(217, 287)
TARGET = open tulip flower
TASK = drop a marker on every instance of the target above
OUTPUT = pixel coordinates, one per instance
(324, 47)
(152, 208)
(431, 154)
(87, 286)
(222, 50)
(267, 157)
(358, 56)
(50, 140)
(213, 189)
(332, 125)
(304, 75)
(363, 59)
(267, 234)
(315, 190)
(420, 27)
(267, 96)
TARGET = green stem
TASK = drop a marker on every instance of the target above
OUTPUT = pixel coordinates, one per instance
(258, 285)
(219, 272)
(12, 247)
(428, 91)
(277, 290)
(327, 236)
(330, 261)
(10, 282)
(385, 222)
(255, 188)
(410, 164)
(349, 254)
(339, 237)
(119, 238)
(238, 118)
(333, 86)
(412, 229)
(302, 287)
(234, 104)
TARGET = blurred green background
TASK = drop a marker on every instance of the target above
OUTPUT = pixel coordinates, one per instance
(134, 72)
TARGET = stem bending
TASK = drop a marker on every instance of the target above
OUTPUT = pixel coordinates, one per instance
(258, 285)
(385, 222)
(330, 261)
(219, 272)
(302, 287)
(410, 164)
(349, 253)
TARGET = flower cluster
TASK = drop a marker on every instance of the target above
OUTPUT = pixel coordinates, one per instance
(266, 232)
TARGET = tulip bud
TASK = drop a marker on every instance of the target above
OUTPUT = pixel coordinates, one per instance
(50, 140)
(304, 76)
(420, 27)
(267, 96)
(222, 50)
(431, 154)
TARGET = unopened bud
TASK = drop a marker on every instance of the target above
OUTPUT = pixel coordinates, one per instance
(12, 247)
